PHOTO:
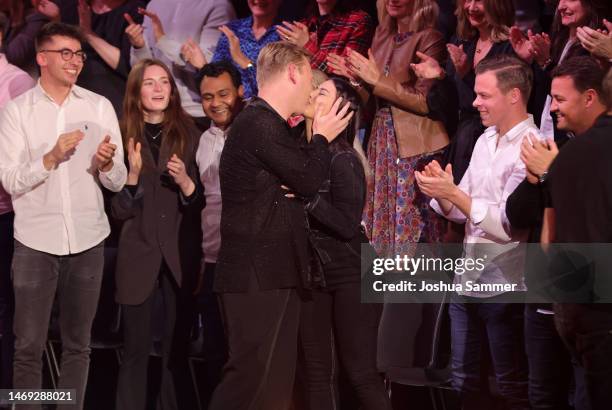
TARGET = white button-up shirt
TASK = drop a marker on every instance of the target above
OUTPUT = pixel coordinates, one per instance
(207, 158)
(495, 171)
(60, 211)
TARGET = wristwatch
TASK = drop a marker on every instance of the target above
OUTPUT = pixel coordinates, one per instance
(542, 177)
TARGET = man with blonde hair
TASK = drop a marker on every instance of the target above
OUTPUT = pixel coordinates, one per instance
(261, 263)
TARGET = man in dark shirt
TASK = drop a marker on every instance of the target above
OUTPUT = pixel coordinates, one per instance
(578, 211)
(550, 367)
(261, 263)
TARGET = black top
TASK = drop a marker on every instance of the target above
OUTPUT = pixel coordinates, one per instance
(469, 126)
(263, 233)
(335, 219)
(154, 135)
(98, 76)
(580, 186)
(465, 85)
(524, 209)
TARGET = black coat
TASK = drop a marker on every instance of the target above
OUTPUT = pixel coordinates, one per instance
(158, 222)
(263, 233)
(335, 220)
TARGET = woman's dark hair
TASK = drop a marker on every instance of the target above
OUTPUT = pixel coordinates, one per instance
(595, 12)
(342, 6)
(344, 141)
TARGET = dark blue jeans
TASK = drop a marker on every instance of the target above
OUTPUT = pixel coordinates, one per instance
(549, 362)
(6, 301)
(37, 278)
(500, 325)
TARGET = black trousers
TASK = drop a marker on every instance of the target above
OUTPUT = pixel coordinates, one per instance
(139, 324)
(261, 328)
(334, 323)
(586, 331)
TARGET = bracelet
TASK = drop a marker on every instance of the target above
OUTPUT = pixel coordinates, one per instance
(546, 63)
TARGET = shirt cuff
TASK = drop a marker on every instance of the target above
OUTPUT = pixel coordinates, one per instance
(115, 176)
(37, 168)
(479, 211)
(171, 50)
(142, 52)
(436, 206)
(319, 138)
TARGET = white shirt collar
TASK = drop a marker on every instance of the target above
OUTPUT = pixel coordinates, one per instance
(39, 92)
(514, 132)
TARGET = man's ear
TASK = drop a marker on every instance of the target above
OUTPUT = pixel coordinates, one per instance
(241, 91)
(590, 97)
(41, 59)
(292, 71)
(515, 96)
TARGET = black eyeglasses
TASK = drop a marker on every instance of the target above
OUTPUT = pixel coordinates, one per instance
(67, 54)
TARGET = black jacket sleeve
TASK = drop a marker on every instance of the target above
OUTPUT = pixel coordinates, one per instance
(347, 188)
(524, 207)
(302, 170)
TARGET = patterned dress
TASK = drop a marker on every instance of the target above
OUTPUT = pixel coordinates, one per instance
(397, 214)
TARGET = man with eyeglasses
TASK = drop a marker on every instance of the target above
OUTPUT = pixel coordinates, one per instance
(58, 142)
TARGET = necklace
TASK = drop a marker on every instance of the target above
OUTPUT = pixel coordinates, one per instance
(154, 137)
(480, 48)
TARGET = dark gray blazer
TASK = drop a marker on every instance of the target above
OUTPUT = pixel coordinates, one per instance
(158, 221)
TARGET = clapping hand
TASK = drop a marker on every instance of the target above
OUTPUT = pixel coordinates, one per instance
(192, 53)
(362, 67)
(428, 68)
(178, 171)
(62, 150)
(234, 47)
(134, 32)
(84, 16)
(158, 28)
(338, 65)
(436, 182)
(104, 154)
(459, 59)
(48, 9)
(521, 44)
(538, 155)
(135, 160)
(295, 33)
(540, 46)
(597, 42)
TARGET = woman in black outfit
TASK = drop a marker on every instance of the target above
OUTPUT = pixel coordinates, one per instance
(159, 246)
(334, 320)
